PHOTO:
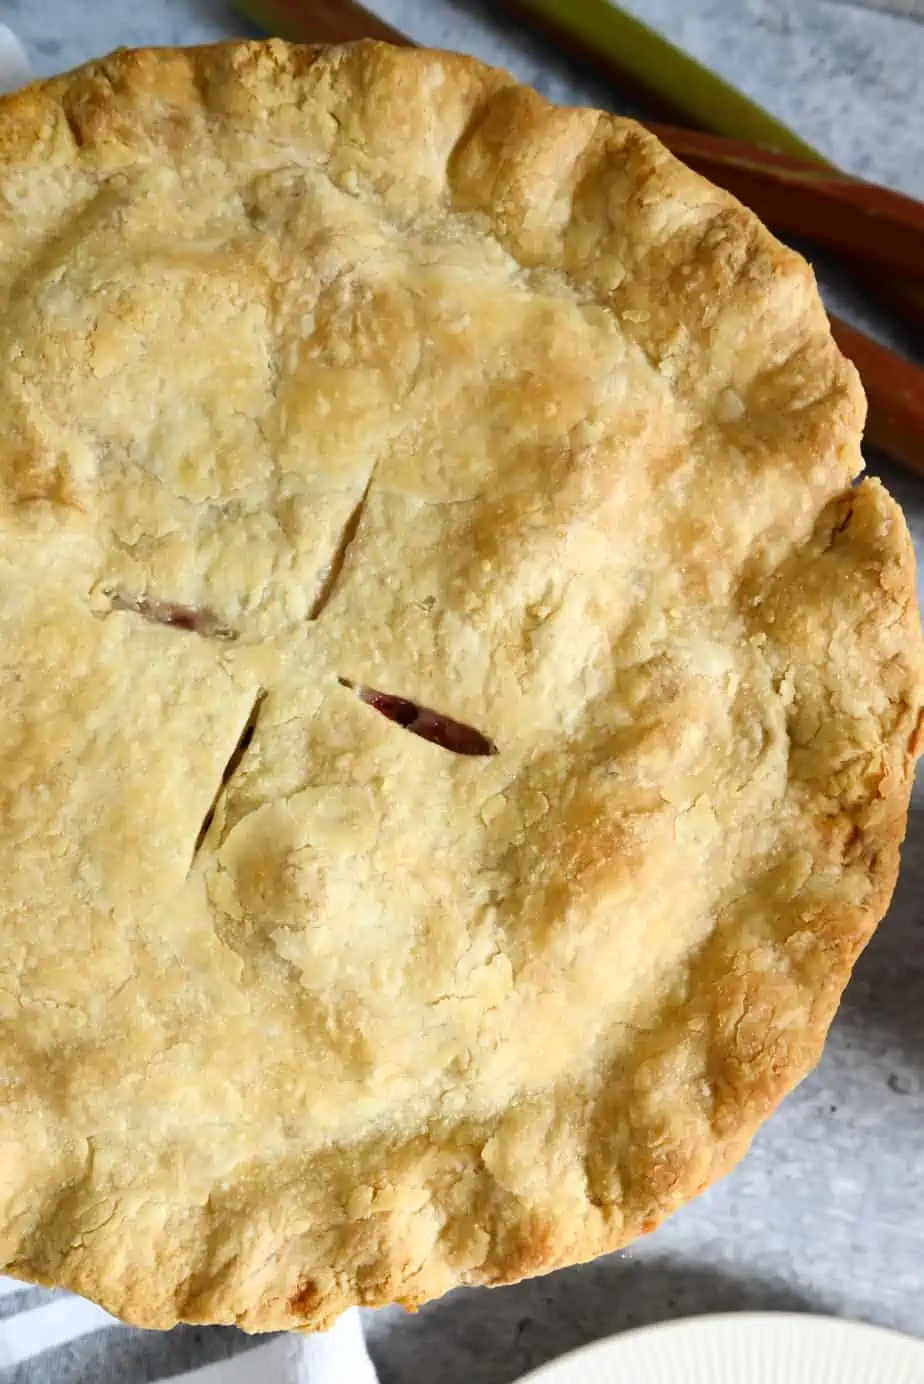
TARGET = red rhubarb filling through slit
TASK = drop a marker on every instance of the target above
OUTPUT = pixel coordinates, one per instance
(430, 725)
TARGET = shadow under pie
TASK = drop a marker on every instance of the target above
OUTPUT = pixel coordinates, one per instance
(483, 1336)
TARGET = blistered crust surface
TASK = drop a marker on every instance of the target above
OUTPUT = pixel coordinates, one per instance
(358, 368)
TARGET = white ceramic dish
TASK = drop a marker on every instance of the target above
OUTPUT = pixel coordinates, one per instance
(744, 1348)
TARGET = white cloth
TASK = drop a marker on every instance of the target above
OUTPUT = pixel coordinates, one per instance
(30, 1337)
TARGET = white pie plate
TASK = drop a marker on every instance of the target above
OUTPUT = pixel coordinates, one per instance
(744, 1348)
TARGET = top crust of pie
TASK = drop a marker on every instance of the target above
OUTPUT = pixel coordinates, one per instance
(384, 372)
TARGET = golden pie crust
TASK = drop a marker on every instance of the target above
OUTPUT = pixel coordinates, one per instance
(335, 369)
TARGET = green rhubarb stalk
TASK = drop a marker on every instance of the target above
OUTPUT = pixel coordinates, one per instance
(672, 76)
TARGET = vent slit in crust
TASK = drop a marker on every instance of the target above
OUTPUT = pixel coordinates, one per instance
(193, 619)
(244, 741)
(430, 725)
(335, 566)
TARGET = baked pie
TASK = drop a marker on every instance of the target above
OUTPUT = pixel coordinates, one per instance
(458, 709)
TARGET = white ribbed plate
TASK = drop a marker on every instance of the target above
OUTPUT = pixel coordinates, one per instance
(744, 1348)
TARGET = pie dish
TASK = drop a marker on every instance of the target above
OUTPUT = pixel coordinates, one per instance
(459, 712)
